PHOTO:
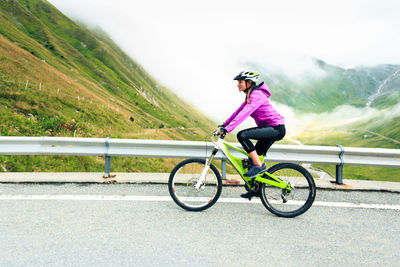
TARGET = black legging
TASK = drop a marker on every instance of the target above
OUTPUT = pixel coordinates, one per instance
(265, 137)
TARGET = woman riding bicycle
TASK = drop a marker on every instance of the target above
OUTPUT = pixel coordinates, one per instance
(195, 184)
(270, 124)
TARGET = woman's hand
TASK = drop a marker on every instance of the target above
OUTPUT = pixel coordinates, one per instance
(221, 130)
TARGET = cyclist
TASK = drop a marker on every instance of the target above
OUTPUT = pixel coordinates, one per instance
(270, 124)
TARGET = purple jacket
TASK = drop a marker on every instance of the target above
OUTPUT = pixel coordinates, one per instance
(259, 108)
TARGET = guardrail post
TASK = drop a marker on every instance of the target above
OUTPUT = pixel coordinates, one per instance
(107, 168)
(339, 168)
(223, 167)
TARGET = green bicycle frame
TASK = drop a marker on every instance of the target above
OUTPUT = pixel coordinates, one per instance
(236, 162)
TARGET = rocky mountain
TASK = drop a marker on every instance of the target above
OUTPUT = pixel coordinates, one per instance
(331, 86)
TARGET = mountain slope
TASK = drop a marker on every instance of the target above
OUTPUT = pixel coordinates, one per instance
(58, 78)
(63, 55)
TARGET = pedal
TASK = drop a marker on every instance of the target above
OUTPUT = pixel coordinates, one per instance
(246, 163)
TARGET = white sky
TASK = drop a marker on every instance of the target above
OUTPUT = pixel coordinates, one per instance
(196, 47)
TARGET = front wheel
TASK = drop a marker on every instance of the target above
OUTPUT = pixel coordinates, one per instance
(182, 185)
(293, 201)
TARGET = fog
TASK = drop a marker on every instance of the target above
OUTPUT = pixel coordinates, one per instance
(195, 48)
(345, 117)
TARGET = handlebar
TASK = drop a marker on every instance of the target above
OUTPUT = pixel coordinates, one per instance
(222, 136)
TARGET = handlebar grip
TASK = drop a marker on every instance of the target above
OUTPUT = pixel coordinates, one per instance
(223, 133)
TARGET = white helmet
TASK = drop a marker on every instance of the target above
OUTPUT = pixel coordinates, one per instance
(248, 75)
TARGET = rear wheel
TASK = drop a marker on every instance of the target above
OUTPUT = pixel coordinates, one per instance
(182, 182)
(293, 201)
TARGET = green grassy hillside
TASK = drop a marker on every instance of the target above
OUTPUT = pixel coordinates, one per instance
(57, 78)
(377, 132)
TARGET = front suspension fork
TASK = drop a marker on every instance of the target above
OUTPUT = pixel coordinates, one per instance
(205, 170)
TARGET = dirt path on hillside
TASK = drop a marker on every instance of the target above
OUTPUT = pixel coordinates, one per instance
(384, 137)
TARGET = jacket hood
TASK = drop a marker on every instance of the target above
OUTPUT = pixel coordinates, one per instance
(264, 87)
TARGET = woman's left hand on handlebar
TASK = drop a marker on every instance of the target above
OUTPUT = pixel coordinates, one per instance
(221, 130)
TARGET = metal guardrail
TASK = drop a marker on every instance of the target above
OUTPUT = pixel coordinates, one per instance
(109, 147)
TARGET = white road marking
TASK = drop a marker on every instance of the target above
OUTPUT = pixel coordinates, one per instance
(168, 198)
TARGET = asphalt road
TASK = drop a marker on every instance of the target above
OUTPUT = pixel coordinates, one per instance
(111, 232)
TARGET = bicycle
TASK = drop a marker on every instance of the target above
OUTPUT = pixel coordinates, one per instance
(287, 189)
